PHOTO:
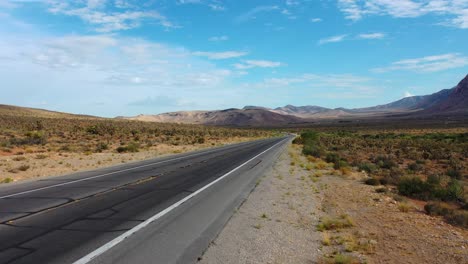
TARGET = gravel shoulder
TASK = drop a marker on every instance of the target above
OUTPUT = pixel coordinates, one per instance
(276, 224)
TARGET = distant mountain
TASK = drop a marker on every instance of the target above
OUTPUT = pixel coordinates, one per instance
(10, 110)
(456, 102)
(445, 102)
(248, 117)
(300, 111)
(412, 103)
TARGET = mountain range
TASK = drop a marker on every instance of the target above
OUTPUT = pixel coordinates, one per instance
(447, 102)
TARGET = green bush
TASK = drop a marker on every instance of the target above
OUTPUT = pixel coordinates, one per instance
(413, 187)
(455, 191)
(367, 167)
(385, 162)
(101, 147)
(455, 174)
(131, 147)
(372, 181)
(453, 216)
(415, 166)
(313, 150)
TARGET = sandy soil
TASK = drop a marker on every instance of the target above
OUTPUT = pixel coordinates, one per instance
(276, 224)
(384, 233)
(32, 165)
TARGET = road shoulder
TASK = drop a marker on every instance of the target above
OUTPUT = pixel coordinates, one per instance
(276, 224)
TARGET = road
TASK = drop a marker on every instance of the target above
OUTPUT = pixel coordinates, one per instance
(164, 210)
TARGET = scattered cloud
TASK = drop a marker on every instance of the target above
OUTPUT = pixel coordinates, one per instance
(292, 2)
(219, 38)
(104, 62)
(336, 86)
(315, 20)
(253, 13)
(371, 36)
(249, 64)
(220, 55)
(161, 101)
(428, 64)
(215, 5)
(104, 20)
(454, 11)
(332, 39)
(7, 4)
(340, 38)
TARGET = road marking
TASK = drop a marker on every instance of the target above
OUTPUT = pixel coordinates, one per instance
(105, 174)
(122, 237)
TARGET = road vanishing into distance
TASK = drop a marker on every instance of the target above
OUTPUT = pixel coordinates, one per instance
(164, 210)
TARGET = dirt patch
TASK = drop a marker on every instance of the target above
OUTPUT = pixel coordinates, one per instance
(387, 231)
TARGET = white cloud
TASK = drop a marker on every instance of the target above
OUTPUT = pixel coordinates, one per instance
(115, 70)
(220, 55)
(7, 4)
(332, 39)
(407, 94)
(456, 10)
(315, 20)
(336, 86)
(371, 36)
(103, 20)
(428, 64)
(252, 14)
(248, 64)
(219, 38)
(215, 5)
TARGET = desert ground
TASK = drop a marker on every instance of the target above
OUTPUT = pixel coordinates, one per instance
(304, 211)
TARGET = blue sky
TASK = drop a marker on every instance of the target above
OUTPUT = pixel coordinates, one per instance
(126, 57)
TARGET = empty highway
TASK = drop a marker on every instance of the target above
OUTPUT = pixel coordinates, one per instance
(164, 210)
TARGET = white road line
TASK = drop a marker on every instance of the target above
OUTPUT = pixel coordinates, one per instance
(102, 175)
(122, 237)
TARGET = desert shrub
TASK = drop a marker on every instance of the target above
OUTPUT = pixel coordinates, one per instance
(131, 147)
(381, 190)
(332, 157)
(19, 158)
(413, 187)
(437, 208)
(453, 216)
(404, 207)
(415, 167)
(344, 259)
(337, 161)
(344, 221)
(313, 150)
(6, 180)
(454, 192)
(367, 167)
(433, 179)
(101, 147)
(41, 156)
(93, 130)
(458, 217)
(372, 181)
(454, 173)
(24, 167)
(385, 162)
(31, 138)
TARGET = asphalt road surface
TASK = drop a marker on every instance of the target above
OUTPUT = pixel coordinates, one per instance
(164, 210)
